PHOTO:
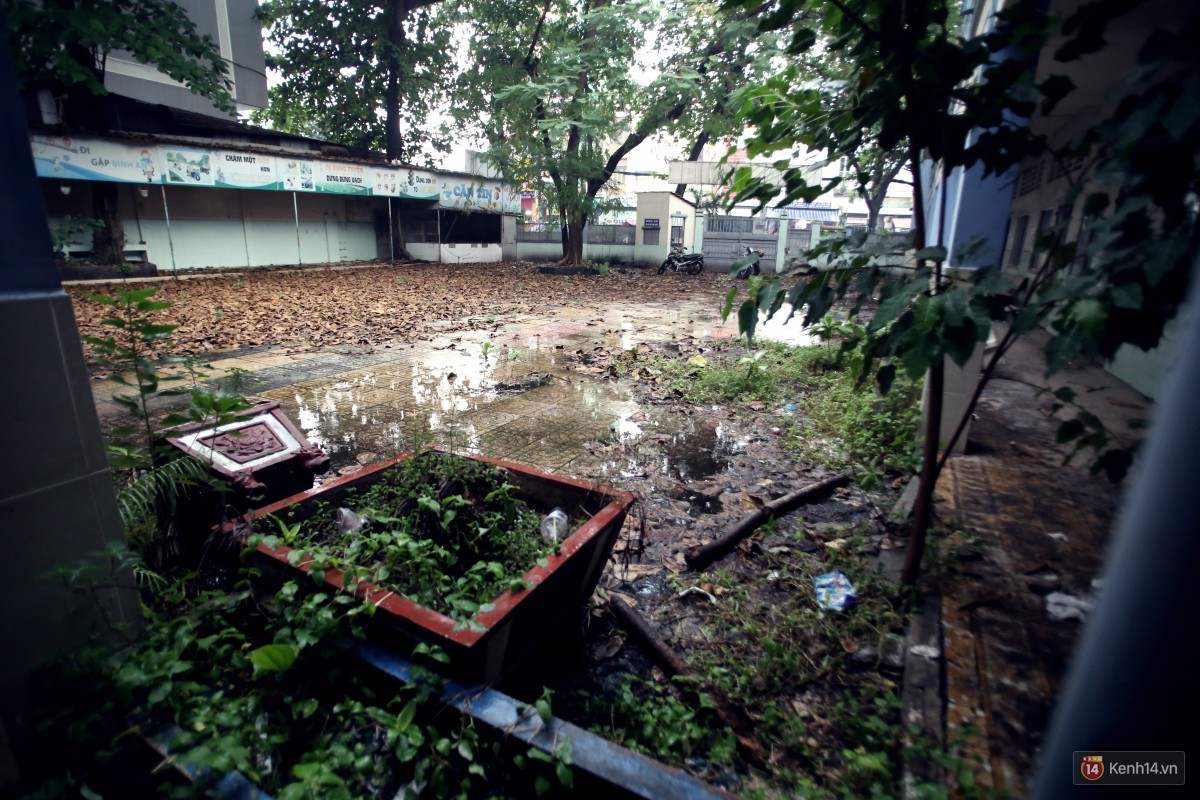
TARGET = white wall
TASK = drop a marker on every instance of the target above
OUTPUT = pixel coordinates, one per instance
(456, 253)
(215, 228)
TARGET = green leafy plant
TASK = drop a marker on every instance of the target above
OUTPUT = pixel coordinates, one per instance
(149, 483)
(948, 101)
(449, 533)
(64, 233)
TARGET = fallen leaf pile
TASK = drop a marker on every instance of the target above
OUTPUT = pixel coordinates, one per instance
(371, 305)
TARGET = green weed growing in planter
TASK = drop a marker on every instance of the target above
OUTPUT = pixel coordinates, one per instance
(449, 533)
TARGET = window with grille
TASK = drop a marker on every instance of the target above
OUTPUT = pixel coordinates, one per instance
(650, 235)
(677, 232)
(1029, 179)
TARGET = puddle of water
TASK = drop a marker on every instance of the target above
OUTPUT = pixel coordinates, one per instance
(792, 333)
(699, 452)
(451, 394)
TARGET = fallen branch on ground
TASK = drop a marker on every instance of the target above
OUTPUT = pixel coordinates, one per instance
(731, 715)
(701, 556)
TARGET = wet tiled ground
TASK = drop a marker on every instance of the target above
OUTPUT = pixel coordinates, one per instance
(366, 404)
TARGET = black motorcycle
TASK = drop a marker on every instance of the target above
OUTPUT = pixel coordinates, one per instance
(679, 261)
(748, 263)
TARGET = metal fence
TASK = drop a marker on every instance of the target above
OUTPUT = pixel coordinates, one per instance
(539, 232)
(610, 234)
(724, 224)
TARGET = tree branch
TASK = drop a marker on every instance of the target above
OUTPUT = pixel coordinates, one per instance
(857, 20)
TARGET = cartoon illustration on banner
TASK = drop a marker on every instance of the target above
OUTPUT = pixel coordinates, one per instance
(188, 167)
(93, 160)
(386, 183)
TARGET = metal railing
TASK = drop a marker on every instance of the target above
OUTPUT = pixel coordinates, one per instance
(611, 234)
(539, 232)
(723, 224)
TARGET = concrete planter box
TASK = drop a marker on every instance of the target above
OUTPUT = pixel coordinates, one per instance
(519, 621)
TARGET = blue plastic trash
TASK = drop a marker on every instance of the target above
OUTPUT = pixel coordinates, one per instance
(834, 591)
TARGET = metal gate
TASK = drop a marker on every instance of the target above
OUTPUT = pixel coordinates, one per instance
(726, 239)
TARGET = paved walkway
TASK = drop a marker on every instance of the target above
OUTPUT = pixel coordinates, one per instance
(1037, 534)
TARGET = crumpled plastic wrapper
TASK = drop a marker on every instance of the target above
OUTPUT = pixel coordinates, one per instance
(834, 591)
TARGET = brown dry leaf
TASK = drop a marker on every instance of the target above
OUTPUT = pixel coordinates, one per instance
(712, 588)
(849, 645)
(752, 502)
(627, 598)
(365, 305)
(632, 572)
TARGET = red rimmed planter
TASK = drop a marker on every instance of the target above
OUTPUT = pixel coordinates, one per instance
(519, 620)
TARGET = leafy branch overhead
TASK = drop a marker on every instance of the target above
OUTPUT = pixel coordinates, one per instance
(953, 102)
(567, 104)
(363, 73)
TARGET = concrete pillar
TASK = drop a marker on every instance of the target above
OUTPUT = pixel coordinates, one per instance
(781, 247)
(701, 221)
(508, 238)
(57, 504)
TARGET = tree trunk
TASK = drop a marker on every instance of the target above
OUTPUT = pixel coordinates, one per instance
(935, 385)
(573, 243)
(108, 240)
(874, 203)
(394, 145)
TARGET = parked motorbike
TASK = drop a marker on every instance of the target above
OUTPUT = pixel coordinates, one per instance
(748, 263)
(679, 261)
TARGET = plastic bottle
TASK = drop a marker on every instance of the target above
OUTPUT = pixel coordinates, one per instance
(348, 521)
(554, 525)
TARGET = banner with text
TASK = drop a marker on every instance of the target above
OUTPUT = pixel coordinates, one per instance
(96, 159)
(336, 177)
(465, 194)
(246, 171)
(412, 184)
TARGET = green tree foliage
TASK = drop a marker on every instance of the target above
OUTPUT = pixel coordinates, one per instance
(364, 73)
(743, 55)
(566, 102)
(958, 102)
(62, 45)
